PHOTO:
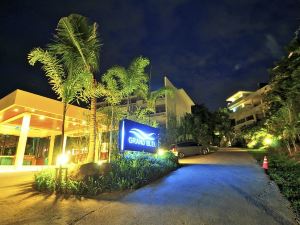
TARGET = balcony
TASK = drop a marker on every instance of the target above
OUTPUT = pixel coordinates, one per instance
(249, 109)
(248, 122)
(235, 102)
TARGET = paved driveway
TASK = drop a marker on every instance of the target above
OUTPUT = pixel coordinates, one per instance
(226, 187)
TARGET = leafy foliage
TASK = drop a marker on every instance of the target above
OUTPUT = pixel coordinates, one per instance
(127, 172)
(121, 83)
(286, 173)
(68, 86)
(283, 99)
(77, 44)
(205, 127)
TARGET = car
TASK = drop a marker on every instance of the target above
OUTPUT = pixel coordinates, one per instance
(189, 148)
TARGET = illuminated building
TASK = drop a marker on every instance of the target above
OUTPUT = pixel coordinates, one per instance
(247, 107)
(25, 115)
(171, 106)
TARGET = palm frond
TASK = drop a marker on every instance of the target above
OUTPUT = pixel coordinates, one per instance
(52, 67)
(77, 41)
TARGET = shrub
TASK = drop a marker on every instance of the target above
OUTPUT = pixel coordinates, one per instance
(129, 171)
(286, 174)
(45, 180)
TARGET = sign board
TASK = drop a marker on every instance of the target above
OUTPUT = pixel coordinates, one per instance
(134, 136)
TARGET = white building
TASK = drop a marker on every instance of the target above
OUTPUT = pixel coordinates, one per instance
(247, 107)
(176, 104)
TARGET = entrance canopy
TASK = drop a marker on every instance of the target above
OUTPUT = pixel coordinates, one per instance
(45, 115)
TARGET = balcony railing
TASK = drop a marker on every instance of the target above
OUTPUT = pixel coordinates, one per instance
(250, 109)
(236, 101)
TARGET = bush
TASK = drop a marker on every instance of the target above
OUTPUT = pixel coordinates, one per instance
(130, 171)
(286, 174)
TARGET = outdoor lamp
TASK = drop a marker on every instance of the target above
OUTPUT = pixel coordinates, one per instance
(62, 159)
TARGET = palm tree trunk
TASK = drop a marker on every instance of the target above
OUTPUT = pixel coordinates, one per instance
(288, 147)
(92, 126)
(110, 134)
(63, 126)
(294, 145)
(128, 106)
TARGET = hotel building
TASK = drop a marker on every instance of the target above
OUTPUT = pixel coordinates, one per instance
(247, 107)
(175, 105)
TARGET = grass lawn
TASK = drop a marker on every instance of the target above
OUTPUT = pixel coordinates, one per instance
(285, 172)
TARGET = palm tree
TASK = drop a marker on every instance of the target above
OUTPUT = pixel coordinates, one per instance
(77, 43)
(152, 97)
(114, 93)
(68, 85)
(143, 114)
(133, 80)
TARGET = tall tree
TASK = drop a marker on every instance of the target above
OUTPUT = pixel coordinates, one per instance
(283, 100)
(113, 94)
(77, 43)
(222, 125)
(67, 84)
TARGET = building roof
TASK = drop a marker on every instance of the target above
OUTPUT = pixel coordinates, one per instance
(237, 95)
(46, 115)
(188, 99)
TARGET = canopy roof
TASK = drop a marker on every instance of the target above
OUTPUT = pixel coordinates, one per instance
(46, 115)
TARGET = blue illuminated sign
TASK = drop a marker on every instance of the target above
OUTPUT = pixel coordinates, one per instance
(137, 137)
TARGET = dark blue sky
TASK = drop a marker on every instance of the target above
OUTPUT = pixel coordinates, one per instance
(210, 48)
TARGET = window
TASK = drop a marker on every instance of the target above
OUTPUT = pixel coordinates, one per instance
(240, 121)
(249, 118)
(160, 108)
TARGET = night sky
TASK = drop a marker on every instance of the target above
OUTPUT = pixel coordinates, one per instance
(210, 48)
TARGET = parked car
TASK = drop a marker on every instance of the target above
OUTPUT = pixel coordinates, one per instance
(188, 148)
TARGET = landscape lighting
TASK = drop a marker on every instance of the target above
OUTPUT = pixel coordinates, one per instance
(161, 152)
(267, 141)
(62, 159)
(100, 162)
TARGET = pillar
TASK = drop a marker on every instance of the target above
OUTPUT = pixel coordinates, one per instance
(22, 140)
(98, 140)
(64, 144)
(96, 158)
(51, 148)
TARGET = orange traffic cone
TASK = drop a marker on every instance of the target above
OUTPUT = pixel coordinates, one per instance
(265, 163)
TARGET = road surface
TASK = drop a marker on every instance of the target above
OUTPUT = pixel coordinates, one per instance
(226, 187)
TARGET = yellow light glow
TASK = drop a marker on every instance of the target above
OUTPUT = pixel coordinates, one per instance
(42, 117)
(251, 144)
(16, 110)
(267, 141)
(62, 159)
(83, 122)
(100, 162)
(161, 151)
